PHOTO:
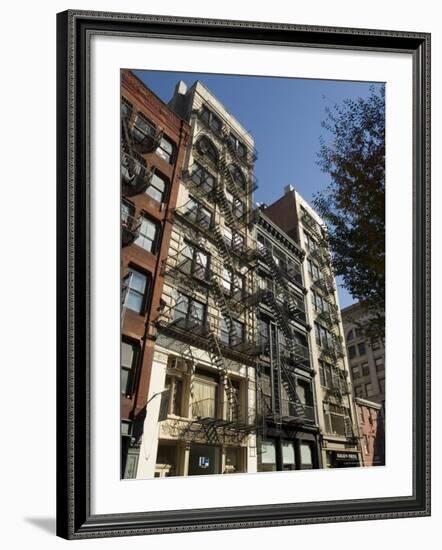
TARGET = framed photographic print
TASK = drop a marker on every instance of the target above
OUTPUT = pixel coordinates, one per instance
(243, 274)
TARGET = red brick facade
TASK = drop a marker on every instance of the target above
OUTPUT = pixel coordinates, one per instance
(137, 328)
(371, 432)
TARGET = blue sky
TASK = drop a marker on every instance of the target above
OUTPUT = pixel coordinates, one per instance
(284, 117)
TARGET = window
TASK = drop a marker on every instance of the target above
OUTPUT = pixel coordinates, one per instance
(325, 374)
(359, 391)
(323, 336)
(237, 176)
(148, 235)
(233, 240)
(306, 453)
(126, 108)
(194, 261)
(288, 455)
(175, 386)
(128, 362)
(361, 349)
(198, 214)
(211, 120)
(142, 128)
(376, 345)
(165, 150)
(352, 352)
(226, 280)
(382, 385)
(127, 212)
(189, 310)
(204, 398)
(268, 456)
(238, 209)
(332, 377)
(208, 149)
(264, 332)
(136, 290)
(365, 369)
(233, 337)
(369, 389)
(350, 335)
(314, 271)
(336, 418)
(202, 178)
(356, 373)
(231, 282)
(379, 363)
(358, 332)
(239, 147)
(157, 187)
(309, 242)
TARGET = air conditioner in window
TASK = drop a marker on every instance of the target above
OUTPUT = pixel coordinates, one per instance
(178, 364)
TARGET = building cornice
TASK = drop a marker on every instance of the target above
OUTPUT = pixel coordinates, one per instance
(278, 234)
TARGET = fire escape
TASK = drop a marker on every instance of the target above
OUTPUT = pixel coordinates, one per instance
(289, 353)
(135, 173)
(208, 185)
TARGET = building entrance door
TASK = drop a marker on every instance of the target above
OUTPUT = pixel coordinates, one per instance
(204, 460)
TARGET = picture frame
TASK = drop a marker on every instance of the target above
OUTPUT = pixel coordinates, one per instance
(75, 519)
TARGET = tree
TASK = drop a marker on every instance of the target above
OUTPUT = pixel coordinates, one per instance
(353, 204)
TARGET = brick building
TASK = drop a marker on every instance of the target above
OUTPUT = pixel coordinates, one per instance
(371, 431)
(153, 140)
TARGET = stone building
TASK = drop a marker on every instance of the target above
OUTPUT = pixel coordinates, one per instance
(333, 390)
(201, 409)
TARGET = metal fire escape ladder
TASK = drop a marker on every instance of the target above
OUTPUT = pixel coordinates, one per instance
(218, 359)
(289, 383)
(276, 383)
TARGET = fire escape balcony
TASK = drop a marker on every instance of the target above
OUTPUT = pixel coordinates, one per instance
(330, 317)
(232, 186)
(311, 224)
(135, 176)
(245, 154)
(195, 218)
(333, 351)
(186, 271)
(324, 284)
(292, 413)
(289, 273)
(198, 332)
(320, 255)
(237, 247)
(217, 130)
(147, 141)
(130, 228)
(202, 190)
(296, 355)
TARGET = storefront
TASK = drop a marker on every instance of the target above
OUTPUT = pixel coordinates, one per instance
(279, 454)
(342, 459)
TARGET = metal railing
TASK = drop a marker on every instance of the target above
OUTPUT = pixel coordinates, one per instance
(130, 228)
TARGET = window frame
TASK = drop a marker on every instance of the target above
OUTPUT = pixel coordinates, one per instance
(147, 289)
(133, 369)
(157, 237)
(160, 151)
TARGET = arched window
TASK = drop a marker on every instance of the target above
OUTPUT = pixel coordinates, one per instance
(237, 176)
(208, 149)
